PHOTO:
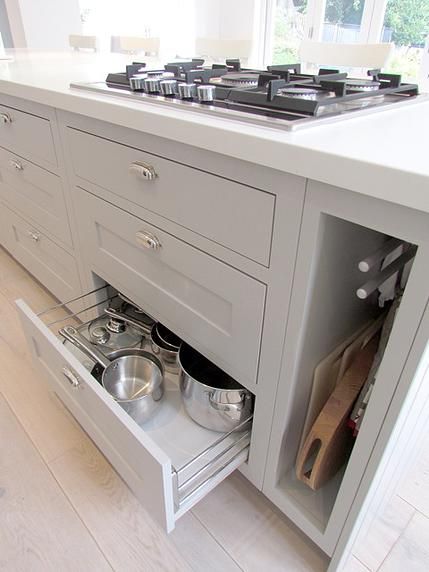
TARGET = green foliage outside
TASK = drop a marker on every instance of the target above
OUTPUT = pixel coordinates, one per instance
(409, 21)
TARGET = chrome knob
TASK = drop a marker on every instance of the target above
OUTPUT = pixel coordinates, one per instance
(151, 85)
(5, 118)
(15, 164)
(34, 235)
(206, 93)
(187, 90)
(137, 83)
(168, 86)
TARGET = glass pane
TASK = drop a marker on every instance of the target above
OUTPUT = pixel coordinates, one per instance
(212, 29)
(406, 24)
(289, 29)
(342, 22)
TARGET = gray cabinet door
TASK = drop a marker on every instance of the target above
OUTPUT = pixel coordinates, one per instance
(55, 268)
(35, 192)
(215, 308)
(236, 216)
(28, 135)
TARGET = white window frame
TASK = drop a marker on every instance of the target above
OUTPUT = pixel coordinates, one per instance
(371, 23)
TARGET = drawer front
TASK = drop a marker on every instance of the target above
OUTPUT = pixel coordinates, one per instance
(141, 463)
(236, 216)
(197, 296)
(48, 262)
(35, 192)
(28, 135)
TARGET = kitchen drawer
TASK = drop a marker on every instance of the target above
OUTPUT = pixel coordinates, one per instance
(28, 135)
(215, 308)
(35, 192)
(236, 216)
(170, 462)
(55, 268)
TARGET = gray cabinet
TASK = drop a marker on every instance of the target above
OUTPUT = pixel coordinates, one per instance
(28, 134)
(338, 230)
(170, 462)
(36, 219)
(36, 193)
(234, 215)
(195, 295)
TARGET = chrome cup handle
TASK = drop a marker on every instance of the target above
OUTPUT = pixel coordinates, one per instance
(219, 405)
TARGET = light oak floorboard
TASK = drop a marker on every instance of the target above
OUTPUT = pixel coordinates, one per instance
(355, 565)
(39, 529)
(374, 546)
(242, 520)
(415, 487)
(123, 529)
(411, 552)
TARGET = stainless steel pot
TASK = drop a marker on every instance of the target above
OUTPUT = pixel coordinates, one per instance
(211, 397)
(165, 344)
(135, 380)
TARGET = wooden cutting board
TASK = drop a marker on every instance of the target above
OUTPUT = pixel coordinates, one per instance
(329, 441)
(325, 379)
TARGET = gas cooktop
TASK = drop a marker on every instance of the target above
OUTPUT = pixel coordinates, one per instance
(280, 96)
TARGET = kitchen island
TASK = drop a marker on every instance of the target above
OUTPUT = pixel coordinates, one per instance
(312, 204)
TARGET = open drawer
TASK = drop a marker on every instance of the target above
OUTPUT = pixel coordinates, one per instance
(169, 462)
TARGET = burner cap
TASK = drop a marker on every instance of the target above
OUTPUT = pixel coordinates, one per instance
(362, 84)
(240, 79)
(299, 92)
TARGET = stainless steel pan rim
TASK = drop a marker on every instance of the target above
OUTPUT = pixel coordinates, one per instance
(218, 408)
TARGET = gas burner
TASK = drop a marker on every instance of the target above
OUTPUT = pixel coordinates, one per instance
(240, 80)
(362, 85)
(281, 96)
(299, 92)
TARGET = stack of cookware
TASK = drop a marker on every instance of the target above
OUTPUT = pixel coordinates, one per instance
(132, 352)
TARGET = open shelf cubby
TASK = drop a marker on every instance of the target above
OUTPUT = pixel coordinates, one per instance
(330, 313)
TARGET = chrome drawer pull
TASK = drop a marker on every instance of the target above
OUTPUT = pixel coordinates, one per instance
(5, 118)
(34, 235)
(148, 240)
(71, 377)
(142, 170)
(17, 165)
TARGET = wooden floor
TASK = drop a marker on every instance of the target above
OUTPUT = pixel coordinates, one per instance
(63, 508)
(398, 538)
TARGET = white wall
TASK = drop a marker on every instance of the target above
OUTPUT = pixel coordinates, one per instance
(46, 24)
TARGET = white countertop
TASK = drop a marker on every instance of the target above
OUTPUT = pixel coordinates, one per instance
(382, 155)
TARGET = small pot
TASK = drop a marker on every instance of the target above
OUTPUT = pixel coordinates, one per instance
(135, 380)
(211, 397)
(165, 344)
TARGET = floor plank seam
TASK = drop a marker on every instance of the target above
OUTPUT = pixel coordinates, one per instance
(416, 508)
(393, 546)
(216, 540)
(363, 563)
(67, 498)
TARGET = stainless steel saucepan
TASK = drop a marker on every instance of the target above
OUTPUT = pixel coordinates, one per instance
(166, 344)
(135, 381)
(211, 397)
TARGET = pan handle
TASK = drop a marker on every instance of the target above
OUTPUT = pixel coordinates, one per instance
(230, 406)
(73, 336)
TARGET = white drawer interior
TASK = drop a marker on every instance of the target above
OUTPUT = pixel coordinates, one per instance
(198, 458)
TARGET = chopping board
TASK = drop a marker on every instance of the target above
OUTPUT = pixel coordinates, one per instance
(325, 378)
(329, 441)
